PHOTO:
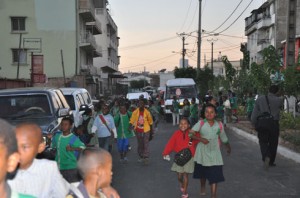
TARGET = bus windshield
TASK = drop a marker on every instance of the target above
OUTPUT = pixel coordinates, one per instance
(185, 92)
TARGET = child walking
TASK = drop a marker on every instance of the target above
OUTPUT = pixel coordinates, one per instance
(67, 146)
(180, 140)
(123, 133)
(208, 158)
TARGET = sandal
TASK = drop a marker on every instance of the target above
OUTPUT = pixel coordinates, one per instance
(184, 195)
(181, 189)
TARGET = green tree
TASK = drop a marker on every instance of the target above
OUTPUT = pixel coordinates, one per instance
(188, 72)
(291, 82)
(230, 72)
(205, 80)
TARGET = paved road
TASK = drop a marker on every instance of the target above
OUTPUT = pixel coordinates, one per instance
(245, 177)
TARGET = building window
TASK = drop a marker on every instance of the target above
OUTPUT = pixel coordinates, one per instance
(17, 24)
(23, 56)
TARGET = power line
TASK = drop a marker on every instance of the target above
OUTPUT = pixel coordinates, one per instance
(228, 17)
(185, 16)
(148, 43)
(140, 65)
(236, 18)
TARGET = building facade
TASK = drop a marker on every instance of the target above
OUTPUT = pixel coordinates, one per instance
(56, 39)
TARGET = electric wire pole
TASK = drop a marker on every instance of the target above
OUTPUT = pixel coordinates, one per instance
(212, 52)
(199, 39)
(290, 33)
(184, 36)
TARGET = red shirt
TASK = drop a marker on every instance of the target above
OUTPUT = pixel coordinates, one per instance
(140, 123)
(179, 141)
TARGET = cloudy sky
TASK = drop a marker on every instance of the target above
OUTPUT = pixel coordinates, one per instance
(148, 30)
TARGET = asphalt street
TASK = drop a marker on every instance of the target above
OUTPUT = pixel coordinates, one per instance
(243, 171)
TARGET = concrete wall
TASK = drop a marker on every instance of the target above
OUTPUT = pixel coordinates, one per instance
(53, 21)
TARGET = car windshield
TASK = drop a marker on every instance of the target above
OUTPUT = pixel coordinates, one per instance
(22, 106)
(182, 92)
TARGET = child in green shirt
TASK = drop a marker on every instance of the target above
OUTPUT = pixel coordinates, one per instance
(67, 147)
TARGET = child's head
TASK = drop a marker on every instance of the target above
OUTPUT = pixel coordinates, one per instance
(95, 164)
(9, 156)
(193, 100)
(184, 124)
(186, 101)
(80, 130)
(105, 109)
(210, 112)
(66, 124)
(123, 108)
(30, 143)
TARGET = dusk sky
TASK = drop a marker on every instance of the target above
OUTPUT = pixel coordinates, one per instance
(148, 30)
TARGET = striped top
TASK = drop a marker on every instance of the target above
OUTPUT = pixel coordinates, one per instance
(209, 154)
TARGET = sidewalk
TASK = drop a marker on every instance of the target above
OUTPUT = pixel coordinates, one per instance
(251, 135)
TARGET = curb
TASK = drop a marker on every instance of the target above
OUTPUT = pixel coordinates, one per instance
(285, 152)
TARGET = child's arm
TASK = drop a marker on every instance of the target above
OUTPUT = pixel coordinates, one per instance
(193, 135)
(70, 148)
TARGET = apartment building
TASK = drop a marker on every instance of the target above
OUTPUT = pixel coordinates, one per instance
(52, 43)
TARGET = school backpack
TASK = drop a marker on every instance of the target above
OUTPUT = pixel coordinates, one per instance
(71, 142)
(220, 128)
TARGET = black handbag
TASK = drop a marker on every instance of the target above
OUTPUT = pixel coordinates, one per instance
(183, 156)
(265, 121)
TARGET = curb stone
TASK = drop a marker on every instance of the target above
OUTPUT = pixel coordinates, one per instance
(285, 152)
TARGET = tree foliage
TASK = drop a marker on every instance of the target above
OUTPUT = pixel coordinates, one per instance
(230, 72)
(205, 80)
(291, 82)
(188, 72)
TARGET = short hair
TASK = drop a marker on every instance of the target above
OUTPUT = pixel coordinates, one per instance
(274, 89)
(186, 119)
(69, 119)
(212, 106)
(90, 158)
(32, 126)
(8, 137)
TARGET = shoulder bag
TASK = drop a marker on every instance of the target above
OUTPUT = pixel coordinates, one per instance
(265, 121)
(184, 155)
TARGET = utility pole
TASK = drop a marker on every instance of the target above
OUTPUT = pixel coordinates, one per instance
(199, 39)
(290, 33)
(212, 52)
(184, 36)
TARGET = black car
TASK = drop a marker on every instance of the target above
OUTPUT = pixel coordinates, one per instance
(44, 106)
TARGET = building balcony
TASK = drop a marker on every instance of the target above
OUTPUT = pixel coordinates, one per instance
(88, 69)
(87, 10)
(251, 28)
(94, 27)
(264, 23)
(87, 41)
(262, 44)
(98, 52)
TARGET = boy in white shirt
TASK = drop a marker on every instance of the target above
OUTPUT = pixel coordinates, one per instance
(38, 177)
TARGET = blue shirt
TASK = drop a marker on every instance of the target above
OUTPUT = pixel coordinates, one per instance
(102, 130)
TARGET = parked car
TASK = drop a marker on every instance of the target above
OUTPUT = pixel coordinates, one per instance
(79, 100)
(44, 106)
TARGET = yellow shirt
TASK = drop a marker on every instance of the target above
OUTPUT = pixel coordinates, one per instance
(147, 119)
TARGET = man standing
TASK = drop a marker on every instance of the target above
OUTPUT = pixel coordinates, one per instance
(268, 138)
(141, 121)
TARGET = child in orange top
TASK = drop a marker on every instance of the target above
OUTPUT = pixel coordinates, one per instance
(180, 140)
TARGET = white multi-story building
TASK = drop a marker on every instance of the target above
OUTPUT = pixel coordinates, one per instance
(109, 61)
(63, 33)
(266, 26)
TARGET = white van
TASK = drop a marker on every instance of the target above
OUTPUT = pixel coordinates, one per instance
(181, 88)
(78, 99)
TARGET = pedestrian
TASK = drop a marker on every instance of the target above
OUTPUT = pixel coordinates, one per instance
(154, 113)
(104, 127)
(123, 132)
(193, 112)
(180, 140)
(268, 138)
(95, 167)
(227, 110)
(115, 108)
(88, 121)
(141, 122)
(38, 177)
(67, 146)
(208, 157)
(250, 105)
(186, 108)
(234, 106)
(175, 111)
(9, 159)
